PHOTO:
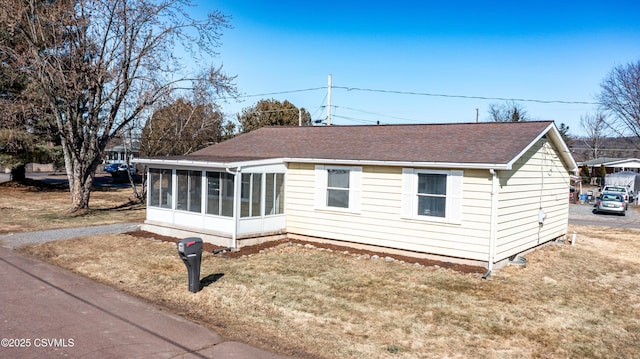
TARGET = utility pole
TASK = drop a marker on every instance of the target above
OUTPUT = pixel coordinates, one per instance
(476, 115)
(329, 102)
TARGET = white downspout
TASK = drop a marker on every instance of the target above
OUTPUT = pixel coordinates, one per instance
(236, 195)
(493, 221)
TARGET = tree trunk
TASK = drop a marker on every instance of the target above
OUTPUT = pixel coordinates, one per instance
(80, 176)
(80, 193)
(19, 173)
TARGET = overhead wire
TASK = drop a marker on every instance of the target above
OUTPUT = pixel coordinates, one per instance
(323, 107)
(464, 96)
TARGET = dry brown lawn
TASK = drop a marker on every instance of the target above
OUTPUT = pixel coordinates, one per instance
(37, 206)
(569, 301)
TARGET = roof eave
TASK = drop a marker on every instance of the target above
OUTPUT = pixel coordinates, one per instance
(424, 164)
(172, 163)
(565, 153)
(206, 164)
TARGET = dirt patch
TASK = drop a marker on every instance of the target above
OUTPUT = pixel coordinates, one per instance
(31, 185)
(248, 250)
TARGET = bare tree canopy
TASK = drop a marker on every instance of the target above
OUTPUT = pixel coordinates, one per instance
(507, 112)
(183, 127)
(596, 129)
(620, 97)
(272, 113)
(99, 66)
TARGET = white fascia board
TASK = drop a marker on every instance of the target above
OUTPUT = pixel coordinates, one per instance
(179, 163)
(205, 164)
(552, 132)
(456, 165)
(628, 162)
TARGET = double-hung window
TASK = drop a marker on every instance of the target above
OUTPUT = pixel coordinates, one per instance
(432, 195)
(338, 188)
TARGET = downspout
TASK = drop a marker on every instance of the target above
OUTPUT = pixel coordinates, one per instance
(236, 194)
(493, 221)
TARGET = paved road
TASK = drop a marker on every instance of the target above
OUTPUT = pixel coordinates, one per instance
(17, 239)
(582, 214)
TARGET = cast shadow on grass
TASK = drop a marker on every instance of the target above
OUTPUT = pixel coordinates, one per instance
(210, 279)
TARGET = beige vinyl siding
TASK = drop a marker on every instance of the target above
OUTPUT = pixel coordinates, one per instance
(538, 181)
(379, 221)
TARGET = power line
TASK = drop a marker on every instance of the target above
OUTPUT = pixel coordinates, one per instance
(413, 93)
(277, 93)
(464, 96)
(387, 116)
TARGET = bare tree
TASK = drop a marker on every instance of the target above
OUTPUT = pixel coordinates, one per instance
(181, 128)
(597, 131)
(620, 97)
(100, 65)
(509, 111)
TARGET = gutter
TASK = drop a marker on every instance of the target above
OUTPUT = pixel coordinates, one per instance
(494, 219)
(236, 194)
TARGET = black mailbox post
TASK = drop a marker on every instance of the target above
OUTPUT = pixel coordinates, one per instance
(190, 250)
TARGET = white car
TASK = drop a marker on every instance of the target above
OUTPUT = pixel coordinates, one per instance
(123, 167)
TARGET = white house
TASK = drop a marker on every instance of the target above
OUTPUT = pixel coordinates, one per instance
(474, 192)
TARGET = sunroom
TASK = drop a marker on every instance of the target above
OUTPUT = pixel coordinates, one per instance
(228, 204)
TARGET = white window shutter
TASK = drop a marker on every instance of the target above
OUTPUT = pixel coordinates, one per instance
(320, 200)
(454, 196)
(355, 189)
(407, 193)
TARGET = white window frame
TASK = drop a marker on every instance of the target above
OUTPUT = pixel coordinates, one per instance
(453, 202)
(321, 187)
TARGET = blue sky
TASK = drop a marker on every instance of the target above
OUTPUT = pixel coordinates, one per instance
(543, 50)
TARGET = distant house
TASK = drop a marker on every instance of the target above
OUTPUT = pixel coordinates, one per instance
(117, 152)
(478, 193)
(611, 165)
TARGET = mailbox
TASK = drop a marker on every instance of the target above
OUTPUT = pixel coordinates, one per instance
(190, 250)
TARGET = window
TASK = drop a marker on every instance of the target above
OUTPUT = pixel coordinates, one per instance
(338, 188)
(274, 194)
(251, 195)
(220, 194)
(189, 196)
(160, 187)
(432, 195)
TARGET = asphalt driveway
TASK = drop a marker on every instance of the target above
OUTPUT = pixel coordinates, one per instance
(583, 214)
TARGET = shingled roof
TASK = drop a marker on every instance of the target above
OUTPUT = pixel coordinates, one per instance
(489, 142)
(492, 143)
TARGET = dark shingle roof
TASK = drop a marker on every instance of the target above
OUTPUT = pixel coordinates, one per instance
(486, 143)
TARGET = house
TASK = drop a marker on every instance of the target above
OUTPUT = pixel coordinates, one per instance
(477, 193)
(120, 150)
(611, 165)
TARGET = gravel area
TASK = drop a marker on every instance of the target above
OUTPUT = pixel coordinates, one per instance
(17, 239)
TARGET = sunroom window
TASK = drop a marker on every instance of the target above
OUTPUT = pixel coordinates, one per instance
(251, 195)
(189, 194)
(220, 194)
(160, 187)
